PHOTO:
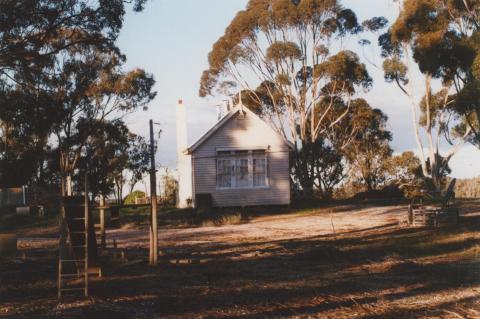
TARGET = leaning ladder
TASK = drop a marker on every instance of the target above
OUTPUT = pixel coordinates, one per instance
(68, 257)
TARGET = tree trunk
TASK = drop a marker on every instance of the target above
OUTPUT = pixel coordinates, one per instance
(305, 178)
(436, 168)
(3, 197)
(62, 186)
(132, 185)
(69, 184)
(307, 187)
(369, 186)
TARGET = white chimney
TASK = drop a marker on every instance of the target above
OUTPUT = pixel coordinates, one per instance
(184, 162)
(181, 127)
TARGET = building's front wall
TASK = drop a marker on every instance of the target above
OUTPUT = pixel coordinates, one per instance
(246, 134)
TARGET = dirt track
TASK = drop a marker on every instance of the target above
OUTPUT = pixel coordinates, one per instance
(280, 227)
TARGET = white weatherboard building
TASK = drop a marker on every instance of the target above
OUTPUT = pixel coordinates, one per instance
(241, 161)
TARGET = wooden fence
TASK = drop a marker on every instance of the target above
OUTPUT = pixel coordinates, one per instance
(12, 197)
(433, 216)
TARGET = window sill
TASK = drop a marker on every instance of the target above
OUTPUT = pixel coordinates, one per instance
(241, 188)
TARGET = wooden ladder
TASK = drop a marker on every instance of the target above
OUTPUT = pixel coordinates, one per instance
(73, 253)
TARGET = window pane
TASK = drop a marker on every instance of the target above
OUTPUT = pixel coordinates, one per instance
(259, 172)
(224, 173)
(241, 176)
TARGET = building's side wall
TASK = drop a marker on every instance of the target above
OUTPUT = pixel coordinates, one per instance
(246, 133)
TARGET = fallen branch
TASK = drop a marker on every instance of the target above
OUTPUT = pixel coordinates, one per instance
(133, 262)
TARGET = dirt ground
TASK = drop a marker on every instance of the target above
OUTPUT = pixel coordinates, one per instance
(341, 262)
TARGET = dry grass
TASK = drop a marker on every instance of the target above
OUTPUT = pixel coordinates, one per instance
(181, 218)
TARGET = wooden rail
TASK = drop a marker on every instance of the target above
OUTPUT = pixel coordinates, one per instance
(433, 217)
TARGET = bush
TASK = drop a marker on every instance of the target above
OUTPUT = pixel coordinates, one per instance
(387, 192)
(130, 198)
(168, 197)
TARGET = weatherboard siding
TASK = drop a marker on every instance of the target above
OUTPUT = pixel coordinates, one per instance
(247, 133)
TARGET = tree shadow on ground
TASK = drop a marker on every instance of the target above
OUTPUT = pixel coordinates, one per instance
(373, 273)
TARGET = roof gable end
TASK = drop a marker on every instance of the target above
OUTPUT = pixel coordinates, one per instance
(224, 120)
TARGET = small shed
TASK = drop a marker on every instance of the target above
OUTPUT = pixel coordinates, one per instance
(241, 161)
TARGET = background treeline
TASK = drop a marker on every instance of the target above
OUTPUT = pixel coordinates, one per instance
(468, 188)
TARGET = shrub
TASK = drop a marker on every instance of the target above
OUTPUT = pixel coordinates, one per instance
(130, 198)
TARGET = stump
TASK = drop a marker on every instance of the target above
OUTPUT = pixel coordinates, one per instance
(8, 245)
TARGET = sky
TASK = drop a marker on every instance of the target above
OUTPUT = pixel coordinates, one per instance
(172, 39)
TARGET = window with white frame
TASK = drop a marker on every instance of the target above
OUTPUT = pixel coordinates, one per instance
(242, 169)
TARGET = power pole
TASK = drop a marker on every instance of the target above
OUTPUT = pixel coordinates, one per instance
(153, 199)
(85, 273)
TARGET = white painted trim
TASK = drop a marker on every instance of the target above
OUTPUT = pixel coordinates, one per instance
(212, 130)
(246, 148)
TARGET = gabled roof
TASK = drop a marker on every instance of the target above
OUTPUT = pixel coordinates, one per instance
(224, 120)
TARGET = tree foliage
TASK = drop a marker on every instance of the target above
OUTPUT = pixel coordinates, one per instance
(63, 88)
(111, 151)
(468, 188)
(368, 150)
(169, 192)
(138, 159)
(34, 33)
(94, 88)
(105, 155)
(405, 171)
(25, 119)
(327, 169)
(440, 37)
(280, 53)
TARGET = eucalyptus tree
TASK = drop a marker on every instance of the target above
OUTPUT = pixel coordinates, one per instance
(110, 152)
(363, 139)
(39, 39)
(26, 116)
(139, 159)
(326, 171)
(405, 171)
(16, 157)
(34, 33)
(287, 56)
(405, 167)
(442, 38)
(94, 88)
(104, 156)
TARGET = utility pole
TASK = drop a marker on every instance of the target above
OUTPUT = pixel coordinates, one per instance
(86, 225)
(153, 199)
